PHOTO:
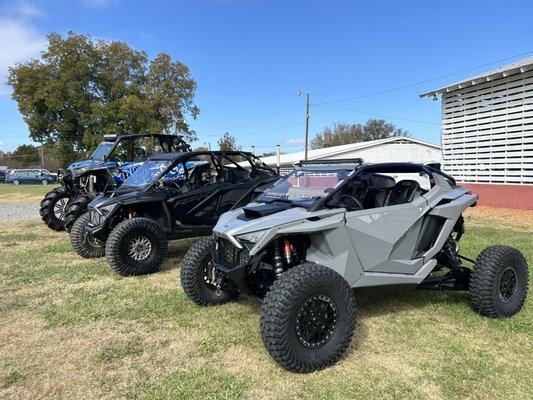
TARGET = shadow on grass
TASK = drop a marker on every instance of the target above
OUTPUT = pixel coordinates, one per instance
(395, 304)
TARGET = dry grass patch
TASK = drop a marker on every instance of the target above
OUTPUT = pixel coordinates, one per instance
(23, 193)
(505, 216)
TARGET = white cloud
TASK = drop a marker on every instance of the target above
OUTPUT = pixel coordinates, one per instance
(20, 41)
(295, 142)
(21, 9)
(101, 3)
(26, 10)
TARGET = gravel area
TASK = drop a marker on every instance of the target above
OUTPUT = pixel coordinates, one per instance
(15, 212)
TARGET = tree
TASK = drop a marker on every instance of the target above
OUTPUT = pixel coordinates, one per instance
(227, 142)
(201, 148)
(26, 154)
(344, 133)
(81, 89)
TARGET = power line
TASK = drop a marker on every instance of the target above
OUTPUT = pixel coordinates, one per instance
(422, 82)
(258, 132)
(384, 116)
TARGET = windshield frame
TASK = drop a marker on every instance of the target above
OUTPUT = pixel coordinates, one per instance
(106, 156)
(153, 180)
(309, 201)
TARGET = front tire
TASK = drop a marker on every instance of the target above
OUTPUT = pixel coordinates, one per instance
(16, 182)
(74, 209)
(499, 281)
(136, 246)
(308, 318)
(196, 275)
(83, 243)
(44, 182)
(53, 209)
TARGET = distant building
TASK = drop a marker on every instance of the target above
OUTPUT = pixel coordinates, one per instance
(487, 134)
(383, 150)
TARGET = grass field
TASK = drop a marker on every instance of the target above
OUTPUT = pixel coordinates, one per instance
(70, 328)
(23, 193)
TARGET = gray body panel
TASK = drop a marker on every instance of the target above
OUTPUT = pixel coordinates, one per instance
(369, 247)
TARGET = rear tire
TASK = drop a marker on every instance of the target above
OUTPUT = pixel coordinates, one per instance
(53, 209)
(74, 209)
(136, 246)
(499, 282)
(83, 243)
(195, 275)
(308, 318)
(44, 182)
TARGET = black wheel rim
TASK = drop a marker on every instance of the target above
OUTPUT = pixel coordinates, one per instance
(139, 248)
(59, 208)
(94, 241)
(507, 284)
(316, 320)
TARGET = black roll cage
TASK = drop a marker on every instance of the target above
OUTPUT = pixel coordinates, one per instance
(216, 156)
(182, 144)
(398, 167)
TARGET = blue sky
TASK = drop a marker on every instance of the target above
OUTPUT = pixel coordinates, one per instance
(250, 57)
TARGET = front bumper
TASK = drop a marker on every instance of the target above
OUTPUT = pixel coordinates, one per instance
(234, 264)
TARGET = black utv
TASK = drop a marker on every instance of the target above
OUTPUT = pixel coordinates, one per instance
(171, 196)
(113, 161)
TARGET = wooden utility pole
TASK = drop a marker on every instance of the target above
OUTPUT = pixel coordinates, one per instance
(278, 156)
(307, 106)
(307, 103)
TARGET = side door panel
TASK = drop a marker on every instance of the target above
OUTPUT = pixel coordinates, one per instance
(385, 238)
(197, 207)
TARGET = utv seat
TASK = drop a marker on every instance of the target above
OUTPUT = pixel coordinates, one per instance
(380, 187)
(403, 192)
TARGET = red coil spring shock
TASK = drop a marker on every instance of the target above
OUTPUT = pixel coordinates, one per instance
(287, 250)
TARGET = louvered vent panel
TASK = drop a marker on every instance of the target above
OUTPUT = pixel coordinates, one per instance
(487, 131)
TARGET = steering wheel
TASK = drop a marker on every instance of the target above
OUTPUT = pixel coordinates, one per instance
(353, 200)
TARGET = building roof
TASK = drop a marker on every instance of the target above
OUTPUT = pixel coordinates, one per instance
(518, 67)
(292, 158)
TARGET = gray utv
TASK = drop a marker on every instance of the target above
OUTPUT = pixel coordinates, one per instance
(325, 229)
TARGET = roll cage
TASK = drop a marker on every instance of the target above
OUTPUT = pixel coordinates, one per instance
(216, 157)
(362, 169)
(168, 143)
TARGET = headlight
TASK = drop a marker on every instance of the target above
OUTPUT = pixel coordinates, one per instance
(104, 210)
(253, 237)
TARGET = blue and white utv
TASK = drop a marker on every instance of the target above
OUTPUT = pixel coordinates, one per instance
(111, 163)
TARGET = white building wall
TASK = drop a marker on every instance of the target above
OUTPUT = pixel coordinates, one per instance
(395, 152)
(487, 131)
(399, 151)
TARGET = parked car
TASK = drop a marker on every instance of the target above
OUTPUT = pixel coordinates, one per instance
(16, 177)
(171, 196)
(324, 230)
(111, 163)
(3, 176)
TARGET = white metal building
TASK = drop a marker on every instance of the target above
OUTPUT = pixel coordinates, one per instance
(384, 150)
(487, 126)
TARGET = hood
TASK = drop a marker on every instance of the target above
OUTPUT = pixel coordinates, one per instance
(115, 198)
(236, 222)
